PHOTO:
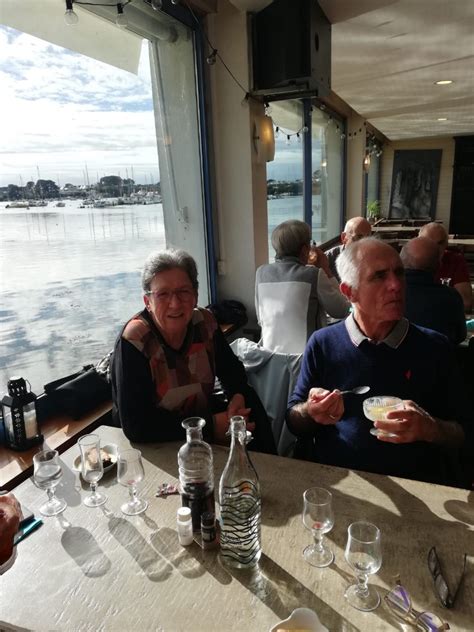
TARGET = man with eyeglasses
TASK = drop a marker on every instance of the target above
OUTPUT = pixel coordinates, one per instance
(356, 228)
(431, 436)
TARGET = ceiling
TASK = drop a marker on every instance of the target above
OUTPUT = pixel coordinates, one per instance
(387, 56)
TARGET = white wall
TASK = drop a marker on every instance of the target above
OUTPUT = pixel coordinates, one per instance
(240, 181)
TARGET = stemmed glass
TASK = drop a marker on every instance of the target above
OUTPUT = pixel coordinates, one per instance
(47, 473)
(318, 517)
(376, 408)
(92, 468)
(364, 554)
(129, 473)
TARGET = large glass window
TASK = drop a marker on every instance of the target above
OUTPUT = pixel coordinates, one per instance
(327, 159)
(80, 191)
(286, 174)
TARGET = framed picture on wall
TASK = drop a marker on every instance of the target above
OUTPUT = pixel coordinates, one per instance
(415, 180)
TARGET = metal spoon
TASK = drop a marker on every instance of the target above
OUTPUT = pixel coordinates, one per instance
(357, 390)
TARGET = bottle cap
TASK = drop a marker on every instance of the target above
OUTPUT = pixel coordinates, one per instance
(184, 514)
(208, 519)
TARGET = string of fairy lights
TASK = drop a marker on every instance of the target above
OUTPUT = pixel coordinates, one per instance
(374, 146)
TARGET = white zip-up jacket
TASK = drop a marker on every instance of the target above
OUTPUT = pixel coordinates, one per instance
(291, 301)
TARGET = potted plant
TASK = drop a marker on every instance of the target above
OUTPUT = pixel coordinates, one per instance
(373, 211)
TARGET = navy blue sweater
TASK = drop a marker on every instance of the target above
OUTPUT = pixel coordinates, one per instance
(422, 369)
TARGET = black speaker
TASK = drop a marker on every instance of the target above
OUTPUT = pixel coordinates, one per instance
(291, 49)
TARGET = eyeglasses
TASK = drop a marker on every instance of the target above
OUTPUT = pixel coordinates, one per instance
(445, 596)
(399, 603)
(184, 295)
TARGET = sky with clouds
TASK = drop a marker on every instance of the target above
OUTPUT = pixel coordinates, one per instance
(62, 113)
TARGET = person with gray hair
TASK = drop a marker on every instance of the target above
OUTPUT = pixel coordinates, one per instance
(377, 347)
(356, 228)
(451, 264)
(291, 297)
(166, 360)
(428, 302)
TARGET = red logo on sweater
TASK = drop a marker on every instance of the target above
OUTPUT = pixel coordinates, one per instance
(408, 374)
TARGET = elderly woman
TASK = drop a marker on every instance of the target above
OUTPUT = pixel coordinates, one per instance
(166, 360)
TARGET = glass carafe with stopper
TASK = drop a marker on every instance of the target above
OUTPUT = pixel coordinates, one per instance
(240, 503)
(196, 471)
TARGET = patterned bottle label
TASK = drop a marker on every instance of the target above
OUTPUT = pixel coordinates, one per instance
(240, 525)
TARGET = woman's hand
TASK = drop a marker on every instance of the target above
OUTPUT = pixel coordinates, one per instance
(237, 407)
(325, 407)
(222, 420)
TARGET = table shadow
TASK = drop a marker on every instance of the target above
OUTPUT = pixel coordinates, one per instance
(69, 486)
(155, 567)
(83, 548)
(282, 593)
(460, 510)
(165, 541)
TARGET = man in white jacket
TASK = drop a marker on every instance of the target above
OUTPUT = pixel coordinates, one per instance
(292, 297)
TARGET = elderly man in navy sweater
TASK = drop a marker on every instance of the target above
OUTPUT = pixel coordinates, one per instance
(378, 347)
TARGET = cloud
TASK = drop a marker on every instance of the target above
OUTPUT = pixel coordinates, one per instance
(60, 110)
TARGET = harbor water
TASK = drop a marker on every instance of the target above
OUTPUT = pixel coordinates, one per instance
(70, 278)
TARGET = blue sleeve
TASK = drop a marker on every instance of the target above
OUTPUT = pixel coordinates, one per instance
(310, 373)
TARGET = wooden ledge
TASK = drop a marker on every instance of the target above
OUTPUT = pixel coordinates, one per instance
(59, 433)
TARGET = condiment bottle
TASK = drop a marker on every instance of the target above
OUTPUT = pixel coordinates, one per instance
(208, 530)
(185, 526)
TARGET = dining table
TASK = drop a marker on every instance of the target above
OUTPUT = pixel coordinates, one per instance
(98, 569)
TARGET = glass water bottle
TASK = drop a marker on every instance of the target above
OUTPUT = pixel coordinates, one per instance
(240, 503)
(196, 471)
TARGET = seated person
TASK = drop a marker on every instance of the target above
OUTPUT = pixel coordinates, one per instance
(10, 516)
(452, 265)
(167, 357)
(292, 298)
(376, 346)
(356, 228)
(428, 302)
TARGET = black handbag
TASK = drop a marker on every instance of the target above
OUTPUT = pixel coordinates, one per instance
(79, 393)
(229, 312)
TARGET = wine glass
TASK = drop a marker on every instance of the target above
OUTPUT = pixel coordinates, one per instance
(364, 554)
(47, 473)
(377, 408)
(129, 473)
(318, 517)
(92, 468)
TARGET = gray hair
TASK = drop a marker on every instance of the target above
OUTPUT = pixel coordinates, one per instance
(289, 237)
(349, 262)
(420, 253)
(163, 260)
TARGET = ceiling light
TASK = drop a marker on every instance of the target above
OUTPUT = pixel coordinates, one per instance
(443, 82)
(442, 119)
